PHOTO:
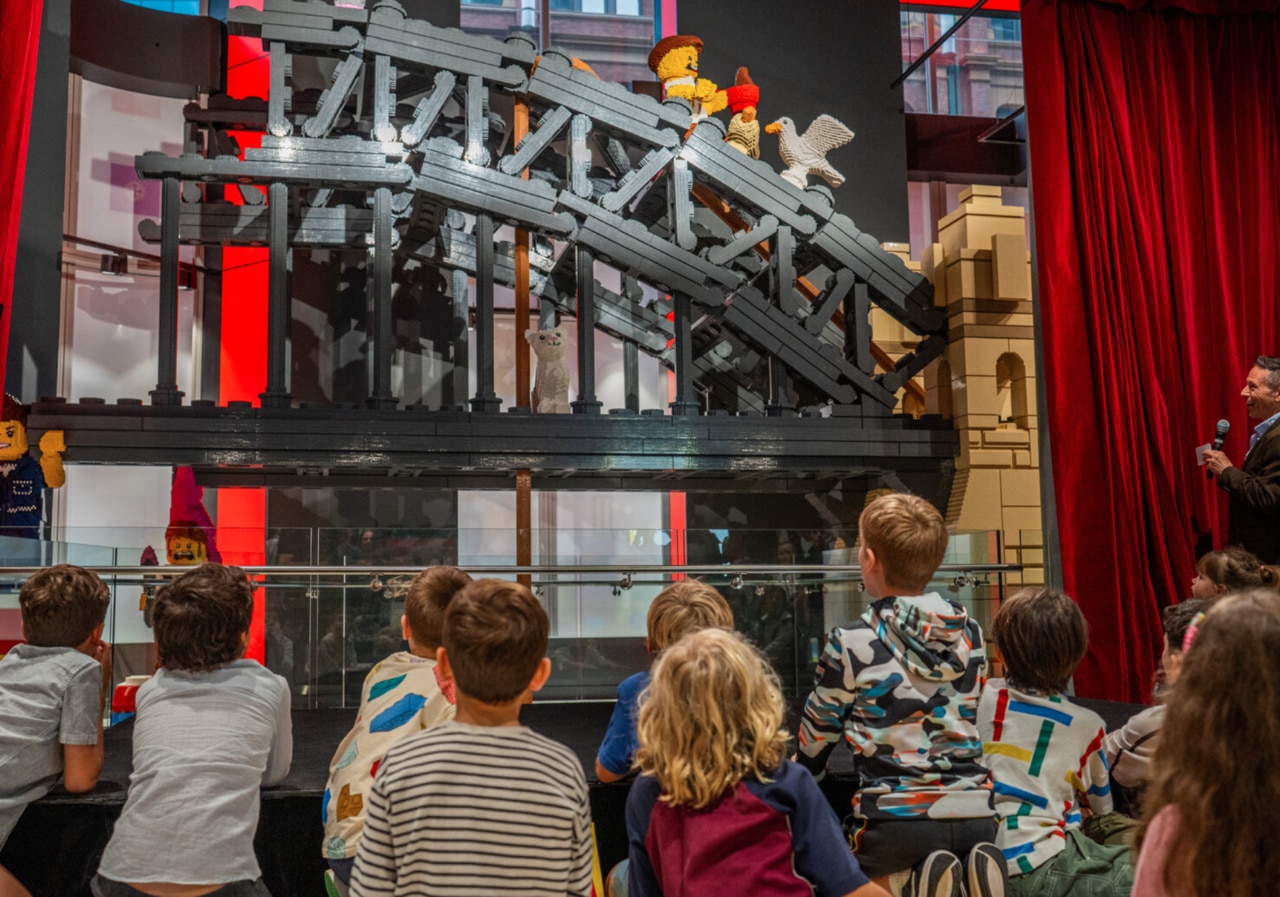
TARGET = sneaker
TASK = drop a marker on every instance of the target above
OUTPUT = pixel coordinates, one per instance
(939, 875)
(986, 873)
(333, 887)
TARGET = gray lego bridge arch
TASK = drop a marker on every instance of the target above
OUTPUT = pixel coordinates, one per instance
(769, 284)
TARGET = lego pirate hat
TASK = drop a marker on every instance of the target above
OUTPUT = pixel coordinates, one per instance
(744, 92)
(667, 44)
(186, 509)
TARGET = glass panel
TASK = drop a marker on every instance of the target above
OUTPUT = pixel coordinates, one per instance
(323, 632)
(976, 71)
(111, 298)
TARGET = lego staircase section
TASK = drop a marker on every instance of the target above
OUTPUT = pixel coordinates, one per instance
(610, 171)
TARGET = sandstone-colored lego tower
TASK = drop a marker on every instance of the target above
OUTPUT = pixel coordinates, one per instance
(981, 272)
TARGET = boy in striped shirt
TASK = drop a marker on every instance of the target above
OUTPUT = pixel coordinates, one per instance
(481, 805)
(1045, 755)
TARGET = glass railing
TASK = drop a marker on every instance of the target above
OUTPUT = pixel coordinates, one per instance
(331, 600)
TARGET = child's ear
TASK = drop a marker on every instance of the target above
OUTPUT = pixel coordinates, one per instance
(442, 663)
(404, 627)
(540, 675)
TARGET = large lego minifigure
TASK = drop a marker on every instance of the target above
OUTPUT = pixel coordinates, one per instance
(23, 479)
(189, 539)
(675, 61)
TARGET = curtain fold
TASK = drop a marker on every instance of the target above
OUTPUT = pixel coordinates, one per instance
(1155, 155)
(20, 25)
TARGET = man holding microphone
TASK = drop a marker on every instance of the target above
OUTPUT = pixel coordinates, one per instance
(1254, 486)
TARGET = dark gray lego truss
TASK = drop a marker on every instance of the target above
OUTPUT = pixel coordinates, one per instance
(611, 175)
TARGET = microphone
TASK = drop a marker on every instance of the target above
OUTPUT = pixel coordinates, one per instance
(1220, 433)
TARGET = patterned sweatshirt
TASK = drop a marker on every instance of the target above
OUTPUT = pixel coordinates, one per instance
(1046, 759)
(901, 686)
(402, 695)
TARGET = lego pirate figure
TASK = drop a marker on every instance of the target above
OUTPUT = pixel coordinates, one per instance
(189, 540)
(23, 479)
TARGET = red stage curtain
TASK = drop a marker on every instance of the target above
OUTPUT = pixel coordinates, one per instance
(1155, 160)
(20, 25)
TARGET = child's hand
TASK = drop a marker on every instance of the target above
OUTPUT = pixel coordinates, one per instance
(102, 654)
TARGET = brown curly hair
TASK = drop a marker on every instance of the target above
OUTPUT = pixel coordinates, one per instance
(428, 598)
(1216, 758)
(62, 605)
(201, 618)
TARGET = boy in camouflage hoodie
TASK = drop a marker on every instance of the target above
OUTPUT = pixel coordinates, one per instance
(901, 686)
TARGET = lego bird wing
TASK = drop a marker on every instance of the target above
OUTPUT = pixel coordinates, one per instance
(825, 133)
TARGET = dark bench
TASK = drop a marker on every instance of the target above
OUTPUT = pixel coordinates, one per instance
(57, 844)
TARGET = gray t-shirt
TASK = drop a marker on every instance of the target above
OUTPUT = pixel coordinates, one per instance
(48, 697)
(203, 744)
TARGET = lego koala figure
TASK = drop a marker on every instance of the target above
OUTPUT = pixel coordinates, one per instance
(551, 381)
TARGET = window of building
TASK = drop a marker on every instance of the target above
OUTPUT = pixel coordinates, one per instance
(185, 7)
(974, 72)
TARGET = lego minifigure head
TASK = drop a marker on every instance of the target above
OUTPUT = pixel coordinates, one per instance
(13, 429)
(676, 57)
(185, 544)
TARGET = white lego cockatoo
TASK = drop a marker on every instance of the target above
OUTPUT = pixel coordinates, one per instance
(806, 154)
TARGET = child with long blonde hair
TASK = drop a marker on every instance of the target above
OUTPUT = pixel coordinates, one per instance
(1213, 806)
(717, 808)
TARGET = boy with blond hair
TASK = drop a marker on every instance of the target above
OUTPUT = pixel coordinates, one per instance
(52, 693)
(901, 686)
(480, 804)
(403, 694)
(682, 607)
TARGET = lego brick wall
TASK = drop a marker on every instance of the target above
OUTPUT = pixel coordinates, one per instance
(811, 57)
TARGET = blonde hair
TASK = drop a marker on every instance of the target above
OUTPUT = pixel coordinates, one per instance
(711, 716)
(684, 607)
(908, 535)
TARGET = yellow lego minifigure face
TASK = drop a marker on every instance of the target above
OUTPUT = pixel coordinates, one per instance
(682, 62)
(184, 550)
(13, 440)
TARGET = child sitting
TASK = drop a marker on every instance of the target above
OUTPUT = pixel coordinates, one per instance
(1128, 749)
(717, 809)
(1230, 570)
(402, 695)
(480, 804)
(901, 686)
(1213, 804)
(1045, 754)
(52, 693)
(680, 608)
(212, 728)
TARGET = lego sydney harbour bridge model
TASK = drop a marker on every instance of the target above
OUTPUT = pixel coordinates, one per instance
(765, 290)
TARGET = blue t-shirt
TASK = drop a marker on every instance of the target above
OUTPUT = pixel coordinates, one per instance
(768, 839)
(619, 746)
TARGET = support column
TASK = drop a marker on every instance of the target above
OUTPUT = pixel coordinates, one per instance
(459, 377)
(278, 310)
(524, 525)
(586, 402)
(379, 266)
(631, 376)
(166, 391)
(520, 130)
(684, 402)
(485, 398)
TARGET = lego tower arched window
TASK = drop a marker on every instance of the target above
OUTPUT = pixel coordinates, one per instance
(937, 384)
(1011, 390)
